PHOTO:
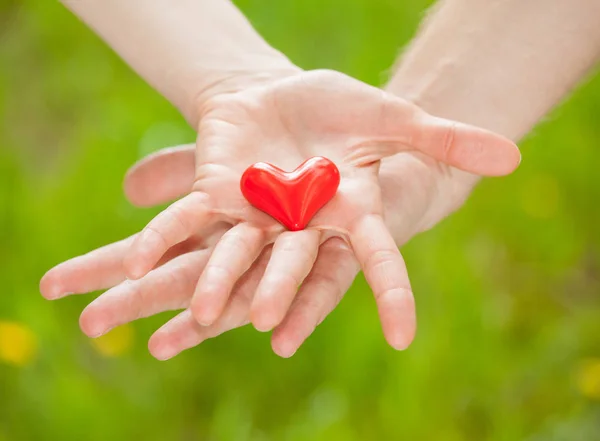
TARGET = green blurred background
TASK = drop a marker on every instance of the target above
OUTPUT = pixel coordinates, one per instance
(507, 289)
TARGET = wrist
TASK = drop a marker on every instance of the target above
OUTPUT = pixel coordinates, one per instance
(235, 80)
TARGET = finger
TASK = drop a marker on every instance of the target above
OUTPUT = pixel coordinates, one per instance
(161, 177)
(166, 288)
(98, 269)
(463, 146)
(174, 225)
(402, 126)
(184, 331)
(294, 254)
(233, 255)
(206, 238)
(332, 275)
(386, 273)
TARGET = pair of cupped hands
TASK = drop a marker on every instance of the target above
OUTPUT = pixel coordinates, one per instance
(225, 263)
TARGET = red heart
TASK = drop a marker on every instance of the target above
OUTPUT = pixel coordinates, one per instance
(292, 198)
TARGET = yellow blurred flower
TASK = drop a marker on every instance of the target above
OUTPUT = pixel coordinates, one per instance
(116, 343)
(18, 344)
(588, 378)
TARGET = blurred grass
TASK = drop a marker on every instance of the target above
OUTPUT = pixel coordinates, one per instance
(507, 289)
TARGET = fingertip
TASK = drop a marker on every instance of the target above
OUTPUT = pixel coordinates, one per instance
(516, 159)
(398, 317)
(400, 340)
(160, 348)
(284, 341)
(262, 326)
(468, 147)
(92, 323)
(262, 319)
(135, 183)
(283, 347)
(505, 156)
(50, 286)
(160, 176)
(204, 315)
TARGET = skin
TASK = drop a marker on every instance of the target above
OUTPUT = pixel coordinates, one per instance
(364, 126)
(456, 67)
(168, 174)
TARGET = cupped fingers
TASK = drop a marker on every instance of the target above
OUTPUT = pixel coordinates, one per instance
(232, 257)
(332, 275)
(166, 288)
(294, 254)
(174, 225)
(386, 273)
(184, 332)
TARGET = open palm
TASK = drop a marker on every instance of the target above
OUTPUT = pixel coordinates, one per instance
(315, 113)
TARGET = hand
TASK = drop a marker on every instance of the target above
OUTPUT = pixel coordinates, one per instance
(284, 123)
(422, 190)
(374, 136)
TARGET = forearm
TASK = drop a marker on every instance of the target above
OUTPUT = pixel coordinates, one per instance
(498, 64)
(186, 49)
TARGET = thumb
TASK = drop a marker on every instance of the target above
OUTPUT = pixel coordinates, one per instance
(463, 146)
(402, 127)
(161, 177)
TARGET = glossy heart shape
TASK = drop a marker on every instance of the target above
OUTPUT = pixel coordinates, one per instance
(293, 198)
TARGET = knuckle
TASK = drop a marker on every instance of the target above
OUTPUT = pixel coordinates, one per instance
(403, 295)
(137, 300)
(339, 247)
(219, 271)
(381, 257)
(237, 240)
(448, 140)
(158, 232)
(283, 279)
(289, 244)
(178, 216)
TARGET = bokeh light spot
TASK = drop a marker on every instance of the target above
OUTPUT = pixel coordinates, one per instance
(116, 343)
(588, 378)
(18, 344)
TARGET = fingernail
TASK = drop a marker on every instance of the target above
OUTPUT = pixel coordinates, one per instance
(400, 344)
(262, 325)
(288, 354)
(96, 330)
(56, 292)
(164, 353)
(204, 319)
(97, 334)
(286, 350)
